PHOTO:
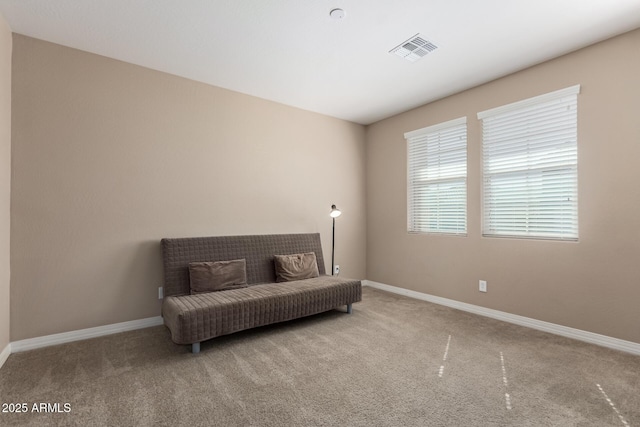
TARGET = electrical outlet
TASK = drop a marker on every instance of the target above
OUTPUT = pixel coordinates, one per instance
(336, 270)
(482, 287)
(160, 293)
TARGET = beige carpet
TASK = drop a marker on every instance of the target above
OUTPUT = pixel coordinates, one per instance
(394, 362)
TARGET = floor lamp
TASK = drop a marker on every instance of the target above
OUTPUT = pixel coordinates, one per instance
(335, 213)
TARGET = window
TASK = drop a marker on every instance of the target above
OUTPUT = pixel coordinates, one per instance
(437, 178)
(530, 167)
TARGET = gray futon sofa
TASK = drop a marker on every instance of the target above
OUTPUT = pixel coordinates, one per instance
(196, 318)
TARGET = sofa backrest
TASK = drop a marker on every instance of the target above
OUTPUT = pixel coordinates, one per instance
(258, 250)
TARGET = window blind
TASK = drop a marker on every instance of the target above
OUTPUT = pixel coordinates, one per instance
(530, 167)
(437, 178)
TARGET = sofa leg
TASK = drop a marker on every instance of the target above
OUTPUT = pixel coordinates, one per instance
(349, 308)
(195, 347)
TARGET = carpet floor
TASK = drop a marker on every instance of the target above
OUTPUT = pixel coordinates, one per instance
(395, 361)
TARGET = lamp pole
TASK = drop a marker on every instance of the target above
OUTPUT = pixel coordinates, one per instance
(335, 212)
(333, 247)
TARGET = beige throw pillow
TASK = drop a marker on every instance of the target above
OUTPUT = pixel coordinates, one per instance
(217, 275)
(296, 267)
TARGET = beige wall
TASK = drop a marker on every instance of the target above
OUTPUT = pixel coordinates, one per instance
(5, 177)
(109, 157)
(592, 285)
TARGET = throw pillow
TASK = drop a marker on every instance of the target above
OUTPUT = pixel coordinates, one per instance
(296, 267)
(217, 275)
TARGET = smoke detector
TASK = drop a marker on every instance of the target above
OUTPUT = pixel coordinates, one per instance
(337, 14)
(415, 48)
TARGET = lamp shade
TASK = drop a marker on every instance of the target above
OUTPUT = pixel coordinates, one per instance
(335, 212)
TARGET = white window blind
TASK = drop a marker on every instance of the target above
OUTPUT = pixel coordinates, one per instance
(437, 178)
(530, 167)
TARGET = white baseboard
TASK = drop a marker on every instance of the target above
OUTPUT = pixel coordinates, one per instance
(565, 331)
(83, 334)
(4, 355)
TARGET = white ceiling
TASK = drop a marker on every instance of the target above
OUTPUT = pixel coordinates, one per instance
(291, 51)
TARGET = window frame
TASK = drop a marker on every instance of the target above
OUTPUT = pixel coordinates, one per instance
(424, 133)
(567, 228)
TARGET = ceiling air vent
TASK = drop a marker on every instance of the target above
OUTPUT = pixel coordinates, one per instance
(415, 48)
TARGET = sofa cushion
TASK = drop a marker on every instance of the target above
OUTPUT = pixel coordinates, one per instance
(217, 275)
(296, 267)
(196, 318)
